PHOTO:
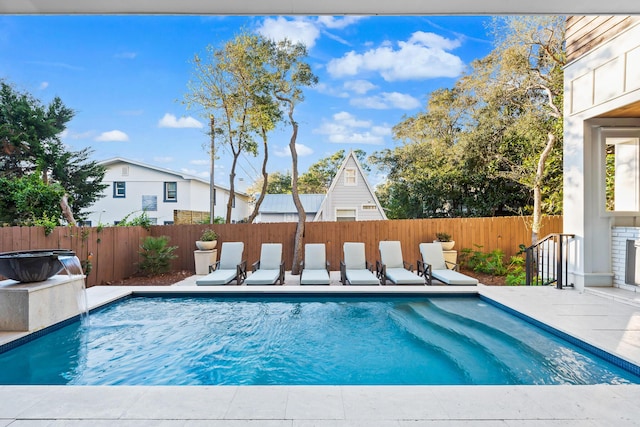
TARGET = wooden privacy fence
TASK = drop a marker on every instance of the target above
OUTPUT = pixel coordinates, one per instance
(113, 251)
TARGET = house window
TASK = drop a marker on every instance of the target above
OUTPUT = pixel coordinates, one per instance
(170, 191)
(350, 176)
(149, 203)
(168, 223)
(621, 169)
(119, 189)
(85, 223)
(345, 214)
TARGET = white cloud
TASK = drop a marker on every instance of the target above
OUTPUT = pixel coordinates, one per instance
(305, 30)
(301, 149)
(387, 100)
(325, 89)
(298, 30)
(335, 22)
(170, 121)
(359, 86)
(346, 128)
(113, 135)
(44, 85)
(423, 56)
(200, 162)
(193, 172)
(163, 159)
(126, 55)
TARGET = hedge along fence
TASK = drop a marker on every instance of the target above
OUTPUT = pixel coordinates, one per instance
(113, 251)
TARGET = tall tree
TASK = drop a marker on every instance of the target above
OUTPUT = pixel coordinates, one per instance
(30, 144)
(231, 84)
(289, 75)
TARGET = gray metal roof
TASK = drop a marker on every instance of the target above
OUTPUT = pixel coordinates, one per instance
(283, 203)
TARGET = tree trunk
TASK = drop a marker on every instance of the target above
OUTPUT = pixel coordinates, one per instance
(66, 210)
(265, 179)
(302, 216)
(537, 188)
(232, 188)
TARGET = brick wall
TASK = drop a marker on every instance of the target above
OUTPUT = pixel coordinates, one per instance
(619, 237)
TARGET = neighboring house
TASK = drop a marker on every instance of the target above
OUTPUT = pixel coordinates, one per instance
(602, 149)
(349, 198)
(134, 187)
(280, 207)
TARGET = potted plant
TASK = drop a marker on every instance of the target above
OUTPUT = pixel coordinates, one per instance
(445, 240)
(208, 240)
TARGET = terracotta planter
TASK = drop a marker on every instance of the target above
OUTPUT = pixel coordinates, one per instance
(206, 245)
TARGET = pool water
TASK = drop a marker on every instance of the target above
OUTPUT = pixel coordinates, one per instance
(303, 341)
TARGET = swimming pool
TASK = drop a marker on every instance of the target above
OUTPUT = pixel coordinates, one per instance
(303, 340)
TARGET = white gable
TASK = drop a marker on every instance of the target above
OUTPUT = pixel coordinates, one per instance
(350, 196)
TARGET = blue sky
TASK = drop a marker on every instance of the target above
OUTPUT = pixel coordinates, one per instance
(126, 78)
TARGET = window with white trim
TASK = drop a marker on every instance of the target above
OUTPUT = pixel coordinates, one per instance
(620, 169)
(350, 176)
(170, 191)
(119, 189)
(345, 214)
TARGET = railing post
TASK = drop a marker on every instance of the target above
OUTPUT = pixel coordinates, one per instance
(528, 265)
(559, 252)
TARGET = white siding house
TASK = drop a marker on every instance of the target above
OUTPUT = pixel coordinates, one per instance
(350, 196)
(601, 122)
(134, 187)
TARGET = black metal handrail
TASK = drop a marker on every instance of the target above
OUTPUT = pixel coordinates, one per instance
(547, 261)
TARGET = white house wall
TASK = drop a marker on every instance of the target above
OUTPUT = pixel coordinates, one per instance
(603, 80)
(350, 197)
(192, 194)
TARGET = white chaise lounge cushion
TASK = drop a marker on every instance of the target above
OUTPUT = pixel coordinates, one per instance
(432, 254)
(391, 254)
(230, 257)
(451, 277)
(269, 270)
(356, 265)
(402, 276)
(218, 277)
(361, 277)
(315, 265)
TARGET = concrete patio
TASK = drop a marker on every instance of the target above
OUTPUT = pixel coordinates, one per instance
(608, 318)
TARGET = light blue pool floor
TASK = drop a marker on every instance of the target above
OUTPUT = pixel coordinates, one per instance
(608, 318)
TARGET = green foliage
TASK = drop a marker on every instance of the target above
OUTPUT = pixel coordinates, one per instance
(489, 263)
(156, 255)
(516, 275)
(443, 237)
(30, 146)
(475, 149)
(28, 201)
(208, 235)
(141, 220)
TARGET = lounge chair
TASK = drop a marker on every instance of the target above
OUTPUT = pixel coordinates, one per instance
(315, 267)
(230, 267)
(355, 269)
(393, 267)
(434, 266)
(269, 270)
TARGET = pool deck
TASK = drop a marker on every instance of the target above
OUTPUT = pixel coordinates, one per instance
(608, 318)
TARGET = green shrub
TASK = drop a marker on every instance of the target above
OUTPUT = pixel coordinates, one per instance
(489, 263)
(156, 255)
(141, 220)
(517, 275)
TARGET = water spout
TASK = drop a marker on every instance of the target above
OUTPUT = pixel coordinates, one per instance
(73, 268)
